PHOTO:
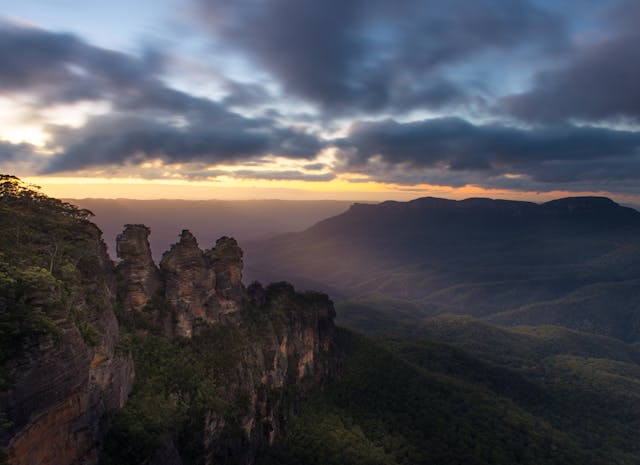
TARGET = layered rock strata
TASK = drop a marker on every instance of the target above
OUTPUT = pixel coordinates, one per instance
(199, 287)
(65, 385)
(62, 385)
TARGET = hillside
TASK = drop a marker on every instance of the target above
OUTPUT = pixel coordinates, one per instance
(505, 260)
(415, 400)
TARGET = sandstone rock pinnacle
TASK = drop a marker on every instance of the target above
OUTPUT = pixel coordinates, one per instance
(190, 284)
(142, 277)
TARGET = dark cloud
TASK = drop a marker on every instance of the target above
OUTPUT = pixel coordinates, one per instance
(315, 166)
(599, 81)
(349, 57)
(245, 94)
(61, 68)
(11, 152)
(19, 159)
(374, 54)
(453, 151)
(111, 140)
(115, 140)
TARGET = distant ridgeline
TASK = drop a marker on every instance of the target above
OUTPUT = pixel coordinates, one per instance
(572, 262)
(219, 368)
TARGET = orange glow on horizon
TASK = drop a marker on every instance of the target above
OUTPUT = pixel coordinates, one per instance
(245, 189)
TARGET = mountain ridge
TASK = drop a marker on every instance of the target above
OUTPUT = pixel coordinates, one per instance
(476, 256)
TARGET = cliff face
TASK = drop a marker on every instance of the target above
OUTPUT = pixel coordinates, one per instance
(198, 287)
(292, 353)
(61, 384)
(277, 344)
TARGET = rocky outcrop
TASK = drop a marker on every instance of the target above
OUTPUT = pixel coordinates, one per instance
(226, 258)
(62, 385)
(142, 282)
(283, 344)
(190, 284)
(293, 353)
(201, 287)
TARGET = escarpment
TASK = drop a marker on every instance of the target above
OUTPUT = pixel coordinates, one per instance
(218, 367)
(288, 350)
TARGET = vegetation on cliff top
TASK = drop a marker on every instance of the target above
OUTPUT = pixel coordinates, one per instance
(48, 260)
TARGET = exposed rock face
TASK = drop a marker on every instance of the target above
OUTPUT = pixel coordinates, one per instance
(226, 258)
(62, 386)
(201, 287)
(64, 369)
(286, 340)
(296, 355)
(142, 276)
(190, 284)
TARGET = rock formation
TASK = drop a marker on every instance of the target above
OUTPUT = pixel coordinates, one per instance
(190, 284)
(143, 278)
(200, 287)
(285, 341)
(221, 366)
(226, 258)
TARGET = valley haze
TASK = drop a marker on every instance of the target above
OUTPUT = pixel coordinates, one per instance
(246, 220)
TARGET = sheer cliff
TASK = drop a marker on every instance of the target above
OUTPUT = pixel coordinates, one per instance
(61, 370)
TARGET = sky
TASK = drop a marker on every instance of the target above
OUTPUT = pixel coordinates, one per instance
(332, 99)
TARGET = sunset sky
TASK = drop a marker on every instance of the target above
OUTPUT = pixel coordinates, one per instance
(348, 99)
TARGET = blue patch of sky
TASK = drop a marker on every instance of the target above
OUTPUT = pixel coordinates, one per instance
(114, 24)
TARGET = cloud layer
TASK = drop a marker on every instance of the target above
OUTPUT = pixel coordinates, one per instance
(148, 120)
(363, 55)
(436, 149)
